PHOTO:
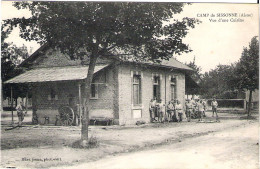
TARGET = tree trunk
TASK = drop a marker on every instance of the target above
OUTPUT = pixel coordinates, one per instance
(86, 105)
(249, 103)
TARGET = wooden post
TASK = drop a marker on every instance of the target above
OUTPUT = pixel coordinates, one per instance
(12, 105)
(26, 103)
(245, 104)
(165, 97)
(80, 104)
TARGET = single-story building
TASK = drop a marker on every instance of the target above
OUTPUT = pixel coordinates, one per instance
(121, 90)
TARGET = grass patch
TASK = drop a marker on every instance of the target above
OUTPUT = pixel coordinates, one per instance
(91, 143)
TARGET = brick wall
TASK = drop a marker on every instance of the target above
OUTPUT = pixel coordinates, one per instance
(106, 105)
(103, 106)
(47, 106)
(126, 108)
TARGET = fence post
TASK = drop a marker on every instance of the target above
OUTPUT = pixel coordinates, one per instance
(244, 104)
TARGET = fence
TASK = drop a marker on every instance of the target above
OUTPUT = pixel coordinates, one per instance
(229, 103)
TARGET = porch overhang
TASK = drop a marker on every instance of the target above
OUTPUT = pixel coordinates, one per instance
(52, 74)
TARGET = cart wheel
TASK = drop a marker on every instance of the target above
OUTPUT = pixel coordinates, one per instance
(66, 115)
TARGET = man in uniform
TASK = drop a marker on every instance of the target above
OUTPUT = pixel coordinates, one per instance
(178, 109)
(193, 107)
(160, 111)
(20, 109)
(214, 105)
(170, 110)
(151, 109)
(204, 102)
(174, 116)
(189, 108)
(200, 109)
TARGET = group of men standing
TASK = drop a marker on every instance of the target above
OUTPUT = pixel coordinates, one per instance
(175, 112)
(195, 109)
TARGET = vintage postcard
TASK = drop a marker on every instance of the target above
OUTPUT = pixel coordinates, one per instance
(91, 84)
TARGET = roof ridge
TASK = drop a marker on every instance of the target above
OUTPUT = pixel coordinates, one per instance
(66, 66)
(180, 61)
(59, 67)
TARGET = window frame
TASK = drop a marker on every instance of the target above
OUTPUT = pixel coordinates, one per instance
(139, 85)
(96, 91)
(52, 94)
(140, 105)
(158, 84)
(174, 85)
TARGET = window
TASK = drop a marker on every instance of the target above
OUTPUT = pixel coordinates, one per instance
(137, 90)
(156, 87)
(173, 87)
(52, 95)
(94, 91)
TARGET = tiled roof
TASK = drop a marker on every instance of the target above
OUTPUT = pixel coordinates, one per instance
(175, 63)
(171, 63)
(54, 74)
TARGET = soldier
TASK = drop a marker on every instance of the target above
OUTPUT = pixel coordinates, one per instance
(204, 103)
(170, 110)
(179, 112)
(152, 109)
(214, 105)
(189, 108)
(193, 107)
(20, 109)
(174, 116)
(160, 111)
(200, 108)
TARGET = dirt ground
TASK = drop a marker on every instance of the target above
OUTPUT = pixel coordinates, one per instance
(50, 146)
(234, 148)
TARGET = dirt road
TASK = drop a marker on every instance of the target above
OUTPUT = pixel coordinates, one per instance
(236, 148)
(40, 146)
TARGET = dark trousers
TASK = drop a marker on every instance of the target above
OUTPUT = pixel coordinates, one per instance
(188, 114)
(179, 117)
(20, 117)
(152, 114)
(214, 110)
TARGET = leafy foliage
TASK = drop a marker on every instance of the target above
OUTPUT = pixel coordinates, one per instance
(196, 68)
(248, 66)
(11, 57)
(220, 82)
(195, 76)
(248, 70)
(227, 81)
(135, 28)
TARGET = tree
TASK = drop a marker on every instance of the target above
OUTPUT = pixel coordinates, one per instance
(11, 57)
(196, 76)
(196, 68)
(94, 29)
(248, 69)
(220, 82)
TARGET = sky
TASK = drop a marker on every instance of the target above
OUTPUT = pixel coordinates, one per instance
(213, 43)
